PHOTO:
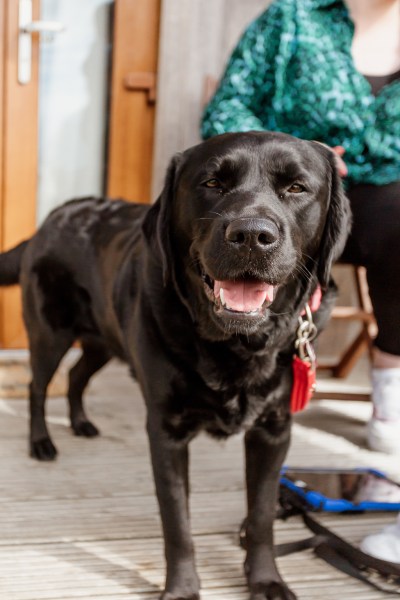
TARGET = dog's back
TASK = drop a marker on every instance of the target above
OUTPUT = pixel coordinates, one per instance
(70, 266)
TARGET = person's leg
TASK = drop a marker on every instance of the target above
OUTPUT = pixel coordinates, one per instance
(375, 243)
(384, 360)
(384, 426)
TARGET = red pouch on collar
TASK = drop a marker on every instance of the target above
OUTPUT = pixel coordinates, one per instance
(303, 384)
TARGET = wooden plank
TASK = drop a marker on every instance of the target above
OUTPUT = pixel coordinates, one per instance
(87, 526)
(135, 569)
(196, 39)
(135, 51)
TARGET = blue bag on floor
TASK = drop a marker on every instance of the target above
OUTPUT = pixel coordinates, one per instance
(341, 490)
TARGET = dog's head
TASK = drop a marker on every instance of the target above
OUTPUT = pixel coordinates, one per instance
(245, 220)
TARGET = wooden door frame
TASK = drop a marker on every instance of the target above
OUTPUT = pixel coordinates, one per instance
(18, 155)
(2, 53)
(133, 95)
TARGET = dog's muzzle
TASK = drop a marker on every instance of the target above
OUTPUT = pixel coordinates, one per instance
(239, 292)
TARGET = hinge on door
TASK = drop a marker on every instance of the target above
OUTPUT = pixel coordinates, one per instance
(142, 81)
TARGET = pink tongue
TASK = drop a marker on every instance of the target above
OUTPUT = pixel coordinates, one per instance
(243, 296)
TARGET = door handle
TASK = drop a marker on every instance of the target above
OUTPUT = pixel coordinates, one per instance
(26, 28)
(142, 82)
(42, 27)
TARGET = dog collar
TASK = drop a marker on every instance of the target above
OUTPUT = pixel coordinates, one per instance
(304, 360)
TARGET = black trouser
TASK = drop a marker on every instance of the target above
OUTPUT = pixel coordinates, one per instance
(375, 243)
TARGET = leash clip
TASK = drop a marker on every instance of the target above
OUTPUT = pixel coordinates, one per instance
(306, 333)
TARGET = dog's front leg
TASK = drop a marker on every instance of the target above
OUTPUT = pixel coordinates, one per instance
(266, 448)
(170, 468)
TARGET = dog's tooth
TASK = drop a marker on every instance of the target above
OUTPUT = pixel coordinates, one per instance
(222, 296)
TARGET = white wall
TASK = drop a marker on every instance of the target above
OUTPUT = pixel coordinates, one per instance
(197, 37)
(72, 102)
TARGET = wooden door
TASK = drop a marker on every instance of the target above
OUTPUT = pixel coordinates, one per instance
(18, 167)
(128, 165)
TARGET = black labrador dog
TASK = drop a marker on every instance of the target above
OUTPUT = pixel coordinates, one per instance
(200, 294)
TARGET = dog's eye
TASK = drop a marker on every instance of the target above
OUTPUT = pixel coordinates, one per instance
(212, 183)
(296, 188)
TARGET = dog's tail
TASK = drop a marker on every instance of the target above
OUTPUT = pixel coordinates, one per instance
(10, 264)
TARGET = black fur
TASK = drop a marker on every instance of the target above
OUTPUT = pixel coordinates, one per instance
(136, 282)
(11, 264)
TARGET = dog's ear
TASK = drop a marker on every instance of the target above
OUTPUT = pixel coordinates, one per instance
(156, 225)
(337, 224)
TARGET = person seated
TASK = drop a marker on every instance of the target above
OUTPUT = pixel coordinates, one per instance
(329, 70)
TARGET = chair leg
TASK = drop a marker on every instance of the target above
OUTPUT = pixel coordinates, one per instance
(350, 356)
(363, 341)
(364, 299)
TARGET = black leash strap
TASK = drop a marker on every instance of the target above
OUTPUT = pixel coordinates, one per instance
(333, 549)
(339, 553)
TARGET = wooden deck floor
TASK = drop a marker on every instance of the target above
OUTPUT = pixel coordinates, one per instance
(87, 525)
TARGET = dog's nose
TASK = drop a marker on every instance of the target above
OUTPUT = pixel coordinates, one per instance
(252, 232)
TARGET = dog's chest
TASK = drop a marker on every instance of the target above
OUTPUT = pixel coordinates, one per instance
(222, 401)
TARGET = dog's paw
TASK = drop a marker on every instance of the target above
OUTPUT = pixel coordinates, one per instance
(85, 429)
(275, 590)
(43, 449)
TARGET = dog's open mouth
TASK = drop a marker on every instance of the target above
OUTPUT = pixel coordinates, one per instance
(243, 296)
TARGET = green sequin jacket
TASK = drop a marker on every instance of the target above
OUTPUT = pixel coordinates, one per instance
(292, 71)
